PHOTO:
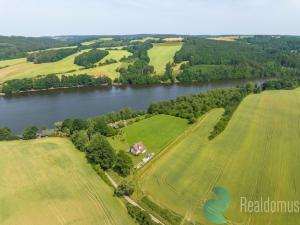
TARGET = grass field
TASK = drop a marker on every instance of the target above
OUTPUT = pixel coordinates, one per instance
(20, 68)
(28, 69)
(173, 39)
(96, 40)
(256, 156)
(47, 181)
(145, 39)
(226, 38)
(155, 132)
(108, 70)
(161, 54)
(11, 62)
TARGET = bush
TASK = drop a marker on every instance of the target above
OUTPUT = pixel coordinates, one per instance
(30, 133)
(123, 164)
(125, 188)
(6, 134)
(168, 215)
(99, 151)
(141, 217)
(80, 139)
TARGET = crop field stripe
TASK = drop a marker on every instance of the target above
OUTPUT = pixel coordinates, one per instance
(256, 156)
(61, 186)
(191, 129)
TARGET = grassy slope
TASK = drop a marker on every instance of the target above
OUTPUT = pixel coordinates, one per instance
(20, 68)
(96, 40)
(163, 53)
(29, 69)
(108, 70)
(47, 181)
(256, 156)
(155, 132)
(11, 62)
(145, 39)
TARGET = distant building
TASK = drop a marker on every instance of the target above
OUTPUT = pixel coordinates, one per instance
(45, 133)
(137, 148)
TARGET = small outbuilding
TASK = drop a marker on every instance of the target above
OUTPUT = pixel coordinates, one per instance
(138, 148)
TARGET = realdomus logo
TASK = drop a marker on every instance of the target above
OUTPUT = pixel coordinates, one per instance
(214, 209)
(266, 205)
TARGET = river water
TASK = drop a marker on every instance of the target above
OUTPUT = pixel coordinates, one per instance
(44, 108)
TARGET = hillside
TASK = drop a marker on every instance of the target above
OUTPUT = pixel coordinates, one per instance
(14, 47)
(256, 156)
(48, 181)
(163, 53)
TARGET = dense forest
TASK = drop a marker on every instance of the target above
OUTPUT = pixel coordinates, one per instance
(88, 59)
(53, 81)
(50, 55)
(16, 47)
(258, 56)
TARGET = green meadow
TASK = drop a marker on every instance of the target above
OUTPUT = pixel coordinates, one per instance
(96, 40)
(26, 69)
(7, 63)
(155, 132)
(163, 53)
(20, 68)
(110, 69)
(257, 156)
(48, 181)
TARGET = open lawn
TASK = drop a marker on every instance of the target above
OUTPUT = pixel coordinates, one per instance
(155, 132)
(48, 181)
(257, 156)
(161, 54)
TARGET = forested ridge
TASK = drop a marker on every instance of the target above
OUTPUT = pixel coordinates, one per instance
(259, 56)
(16, 47)
(50, 55)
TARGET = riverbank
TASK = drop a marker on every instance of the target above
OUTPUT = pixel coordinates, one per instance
(44, 108)
(119, 85)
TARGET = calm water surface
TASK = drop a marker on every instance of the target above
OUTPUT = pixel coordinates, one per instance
(44, 108)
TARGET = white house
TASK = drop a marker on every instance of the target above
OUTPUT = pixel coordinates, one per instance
(138, 148)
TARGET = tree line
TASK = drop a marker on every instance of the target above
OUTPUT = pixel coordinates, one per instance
(53, 55)
(52, 81)
(88, 59)
(193, 106)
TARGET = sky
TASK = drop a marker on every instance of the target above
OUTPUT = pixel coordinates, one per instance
(108, 17)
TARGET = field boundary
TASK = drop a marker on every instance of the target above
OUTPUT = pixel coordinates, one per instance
(178, 139)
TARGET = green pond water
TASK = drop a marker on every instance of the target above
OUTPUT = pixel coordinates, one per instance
(215, 208)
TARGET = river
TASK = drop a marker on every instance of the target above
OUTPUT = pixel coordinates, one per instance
(44, 108)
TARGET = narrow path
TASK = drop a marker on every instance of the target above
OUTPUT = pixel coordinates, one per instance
(129, 200)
